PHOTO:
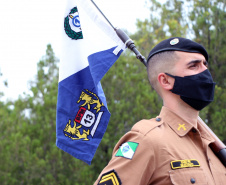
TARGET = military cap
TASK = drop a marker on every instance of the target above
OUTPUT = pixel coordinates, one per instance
(178, 44)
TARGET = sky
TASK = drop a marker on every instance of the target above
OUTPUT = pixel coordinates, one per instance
(27, 26)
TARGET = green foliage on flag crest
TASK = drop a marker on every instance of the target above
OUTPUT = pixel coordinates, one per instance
(73, 10)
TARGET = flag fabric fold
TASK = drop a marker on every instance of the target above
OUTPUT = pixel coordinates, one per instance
(89, 48)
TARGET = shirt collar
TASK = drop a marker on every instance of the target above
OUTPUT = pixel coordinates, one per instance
(204, 133)
(178, 124)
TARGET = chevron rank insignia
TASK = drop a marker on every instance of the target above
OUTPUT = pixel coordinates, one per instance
(110, 178)
(127, 150)
(188, 163)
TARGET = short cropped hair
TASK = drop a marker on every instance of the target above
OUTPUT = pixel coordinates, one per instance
(162, 62)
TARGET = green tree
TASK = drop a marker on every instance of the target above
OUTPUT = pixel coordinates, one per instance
(209, 24)
(48, 164)
(28, 151)
(11, 145)
(166, 20)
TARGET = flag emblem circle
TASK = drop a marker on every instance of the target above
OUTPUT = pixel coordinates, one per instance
(72, 25)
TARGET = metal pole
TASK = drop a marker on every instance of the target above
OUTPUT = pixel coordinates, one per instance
(102, 14)
(124, 37)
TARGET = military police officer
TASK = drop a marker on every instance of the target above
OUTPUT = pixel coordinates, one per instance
(172, 148)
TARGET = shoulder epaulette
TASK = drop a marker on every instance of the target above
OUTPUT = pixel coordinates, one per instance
(145, 126)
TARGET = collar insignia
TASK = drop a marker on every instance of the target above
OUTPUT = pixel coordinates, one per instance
(181, 126)
(188, 163)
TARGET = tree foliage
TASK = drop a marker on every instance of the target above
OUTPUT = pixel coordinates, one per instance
(28, 151)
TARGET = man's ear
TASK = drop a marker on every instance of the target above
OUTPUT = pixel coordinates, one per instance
(165, 81)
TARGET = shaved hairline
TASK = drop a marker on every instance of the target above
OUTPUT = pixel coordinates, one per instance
(162, 62)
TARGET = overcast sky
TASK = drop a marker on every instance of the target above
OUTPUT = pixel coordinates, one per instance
(27, 26)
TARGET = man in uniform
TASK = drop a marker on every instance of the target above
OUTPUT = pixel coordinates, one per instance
(172, 148)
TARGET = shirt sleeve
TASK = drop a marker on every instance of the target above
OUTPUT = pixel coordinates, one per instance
(132, 162)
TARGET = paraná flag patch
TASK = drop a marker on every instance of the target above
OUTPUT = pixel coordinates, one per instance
(127, 150)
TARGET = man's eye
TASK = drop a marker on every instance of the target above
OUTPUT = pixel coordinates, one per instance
(206, 64)
(191, 66)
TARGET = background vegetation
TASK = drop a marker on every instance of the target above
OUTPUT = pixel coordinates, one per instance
(28, 154)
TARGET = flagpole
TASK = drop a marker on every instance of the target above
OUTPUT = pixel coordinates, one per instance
(102, 14)
(124, 37)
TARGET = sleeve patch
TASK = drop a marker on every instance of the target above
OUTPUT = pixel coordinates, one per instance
(110, 178)
(127, 150)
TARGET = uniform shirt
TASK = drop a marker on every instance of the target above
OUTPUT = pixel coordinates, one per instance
(144, 155)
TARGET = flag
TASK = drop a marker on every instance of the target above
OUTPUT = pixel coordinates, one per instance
(89, 48)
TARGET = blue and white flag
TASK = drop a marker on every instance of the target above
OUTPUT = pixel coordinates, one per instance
(89, 48)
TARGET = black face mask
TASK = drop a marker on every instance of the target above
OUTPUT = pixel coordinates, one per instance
(195, 90)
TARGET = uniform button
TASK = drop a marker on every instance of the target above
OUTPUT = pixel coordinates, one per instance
(158, 119)
(192, 180)
(194, 130)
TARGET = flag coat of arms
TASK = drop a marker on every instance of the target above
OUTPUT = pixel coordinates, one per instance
(89, 48)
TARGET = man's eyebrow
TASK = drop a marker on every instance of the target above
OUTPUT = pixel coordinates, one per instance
(196, 62)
